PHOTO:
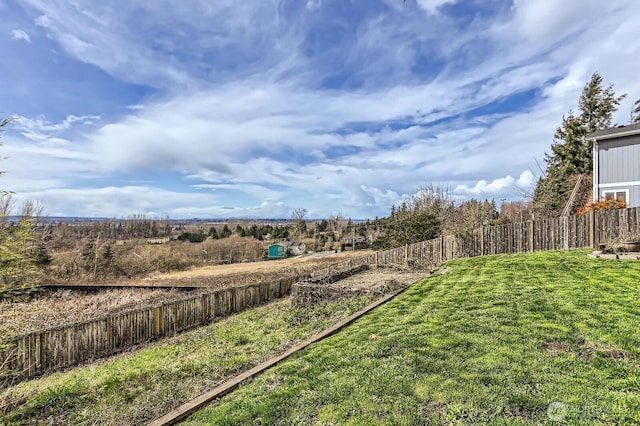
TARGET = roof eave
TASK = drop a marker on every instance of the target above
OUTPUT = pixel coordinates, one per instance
(614, 135)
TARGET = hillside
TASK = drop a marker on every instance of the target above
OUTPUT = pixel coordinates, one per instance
(515, 339)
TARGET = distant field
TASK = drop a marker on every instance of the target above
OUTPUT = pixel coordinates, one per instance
(256, 268)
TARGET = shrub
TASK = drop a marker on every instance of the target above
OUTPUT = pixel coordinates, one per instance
(602, 205)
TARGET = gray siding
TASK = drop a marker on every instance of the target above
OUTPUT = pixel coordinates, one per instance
(619, 160)
(634, 196)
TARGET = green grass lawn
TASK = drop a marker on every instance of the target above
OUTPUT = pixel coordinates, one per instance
(544, 338)
(140, 386)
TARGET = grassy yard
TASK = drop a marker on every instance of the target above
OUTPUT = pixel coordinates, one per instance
(140, 386)
(544, 338)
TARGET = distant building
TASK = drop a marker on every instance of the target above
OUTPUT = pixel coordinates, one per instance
(616, 164)
(286, 248)
(161, 240)
(277, 251)
(359, 239)
(296, 249)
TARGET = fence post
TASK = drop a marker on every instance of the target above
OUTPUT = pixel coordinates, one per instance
(531, 236)
(157, 321)
(205, 308)
(40, 343)
(592, 229)
(406, 254)
(175, 317)
(33, 354)
(109, 333)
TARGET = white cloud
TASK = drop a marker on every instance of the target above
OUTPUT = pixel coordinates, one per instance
(313, 5)
(42, 129)
(169, 47)
(20, 35)
(98, 41)
(526, 180)
(118, 201)
(432, 6)
(501, 186)
(380, 197)
(484, 187)
(547, 21)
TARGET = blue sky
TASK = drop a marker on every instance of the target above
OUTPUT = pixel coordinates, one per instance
(250, 109)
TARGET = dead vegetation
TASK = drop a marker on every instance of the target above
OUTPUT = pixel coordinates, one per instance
(377, 279)
(246, 273)
(62, 307)
(358, 281)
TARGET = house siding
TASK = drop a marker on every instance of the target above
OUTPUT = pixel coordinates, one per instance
(619, 167)
(619, 160)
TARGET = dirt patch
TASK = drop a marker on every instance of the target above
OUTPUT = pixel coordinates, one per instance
(431, 408)
(379, 277)
(359, 281)
(587, 351)
(556, 348)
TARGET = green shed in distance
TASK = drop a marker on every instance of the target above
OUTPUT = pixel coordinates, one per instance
(277, 251)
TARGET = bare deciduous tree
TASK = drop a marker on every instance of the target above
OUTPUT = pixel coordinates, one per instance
(298, 216)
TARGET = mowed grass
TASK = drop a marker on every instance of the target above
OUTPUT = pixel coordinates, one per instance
(544, 338)
(140, 386)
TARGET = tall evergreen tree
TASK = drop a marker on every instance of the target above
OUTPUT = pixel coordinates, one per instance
(571, 152)
(42, 257)
(213, 233)
(226, 232)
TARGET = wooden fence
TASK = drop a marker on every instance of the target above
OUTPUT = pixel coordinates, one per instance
(56, 348)
(561, 233)
(53, 349)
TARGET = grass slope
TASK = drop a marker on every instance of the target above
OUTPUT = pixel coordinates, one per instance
(140, 386)
(544, 338)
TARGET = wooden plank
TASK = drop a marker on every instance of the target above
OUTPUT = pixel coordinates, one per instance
(190, 407)
(592, 230)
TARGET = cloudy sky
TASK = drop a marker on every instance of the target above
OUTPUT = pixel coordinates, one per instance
(226, 108)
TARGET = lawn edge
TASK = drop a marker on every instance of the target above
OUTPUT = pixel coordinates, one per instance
(185, 410)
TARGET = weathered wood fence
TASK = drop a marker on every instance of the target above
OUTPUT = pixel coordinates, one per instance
(53, 349)
(56, 348)
(561, 233)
